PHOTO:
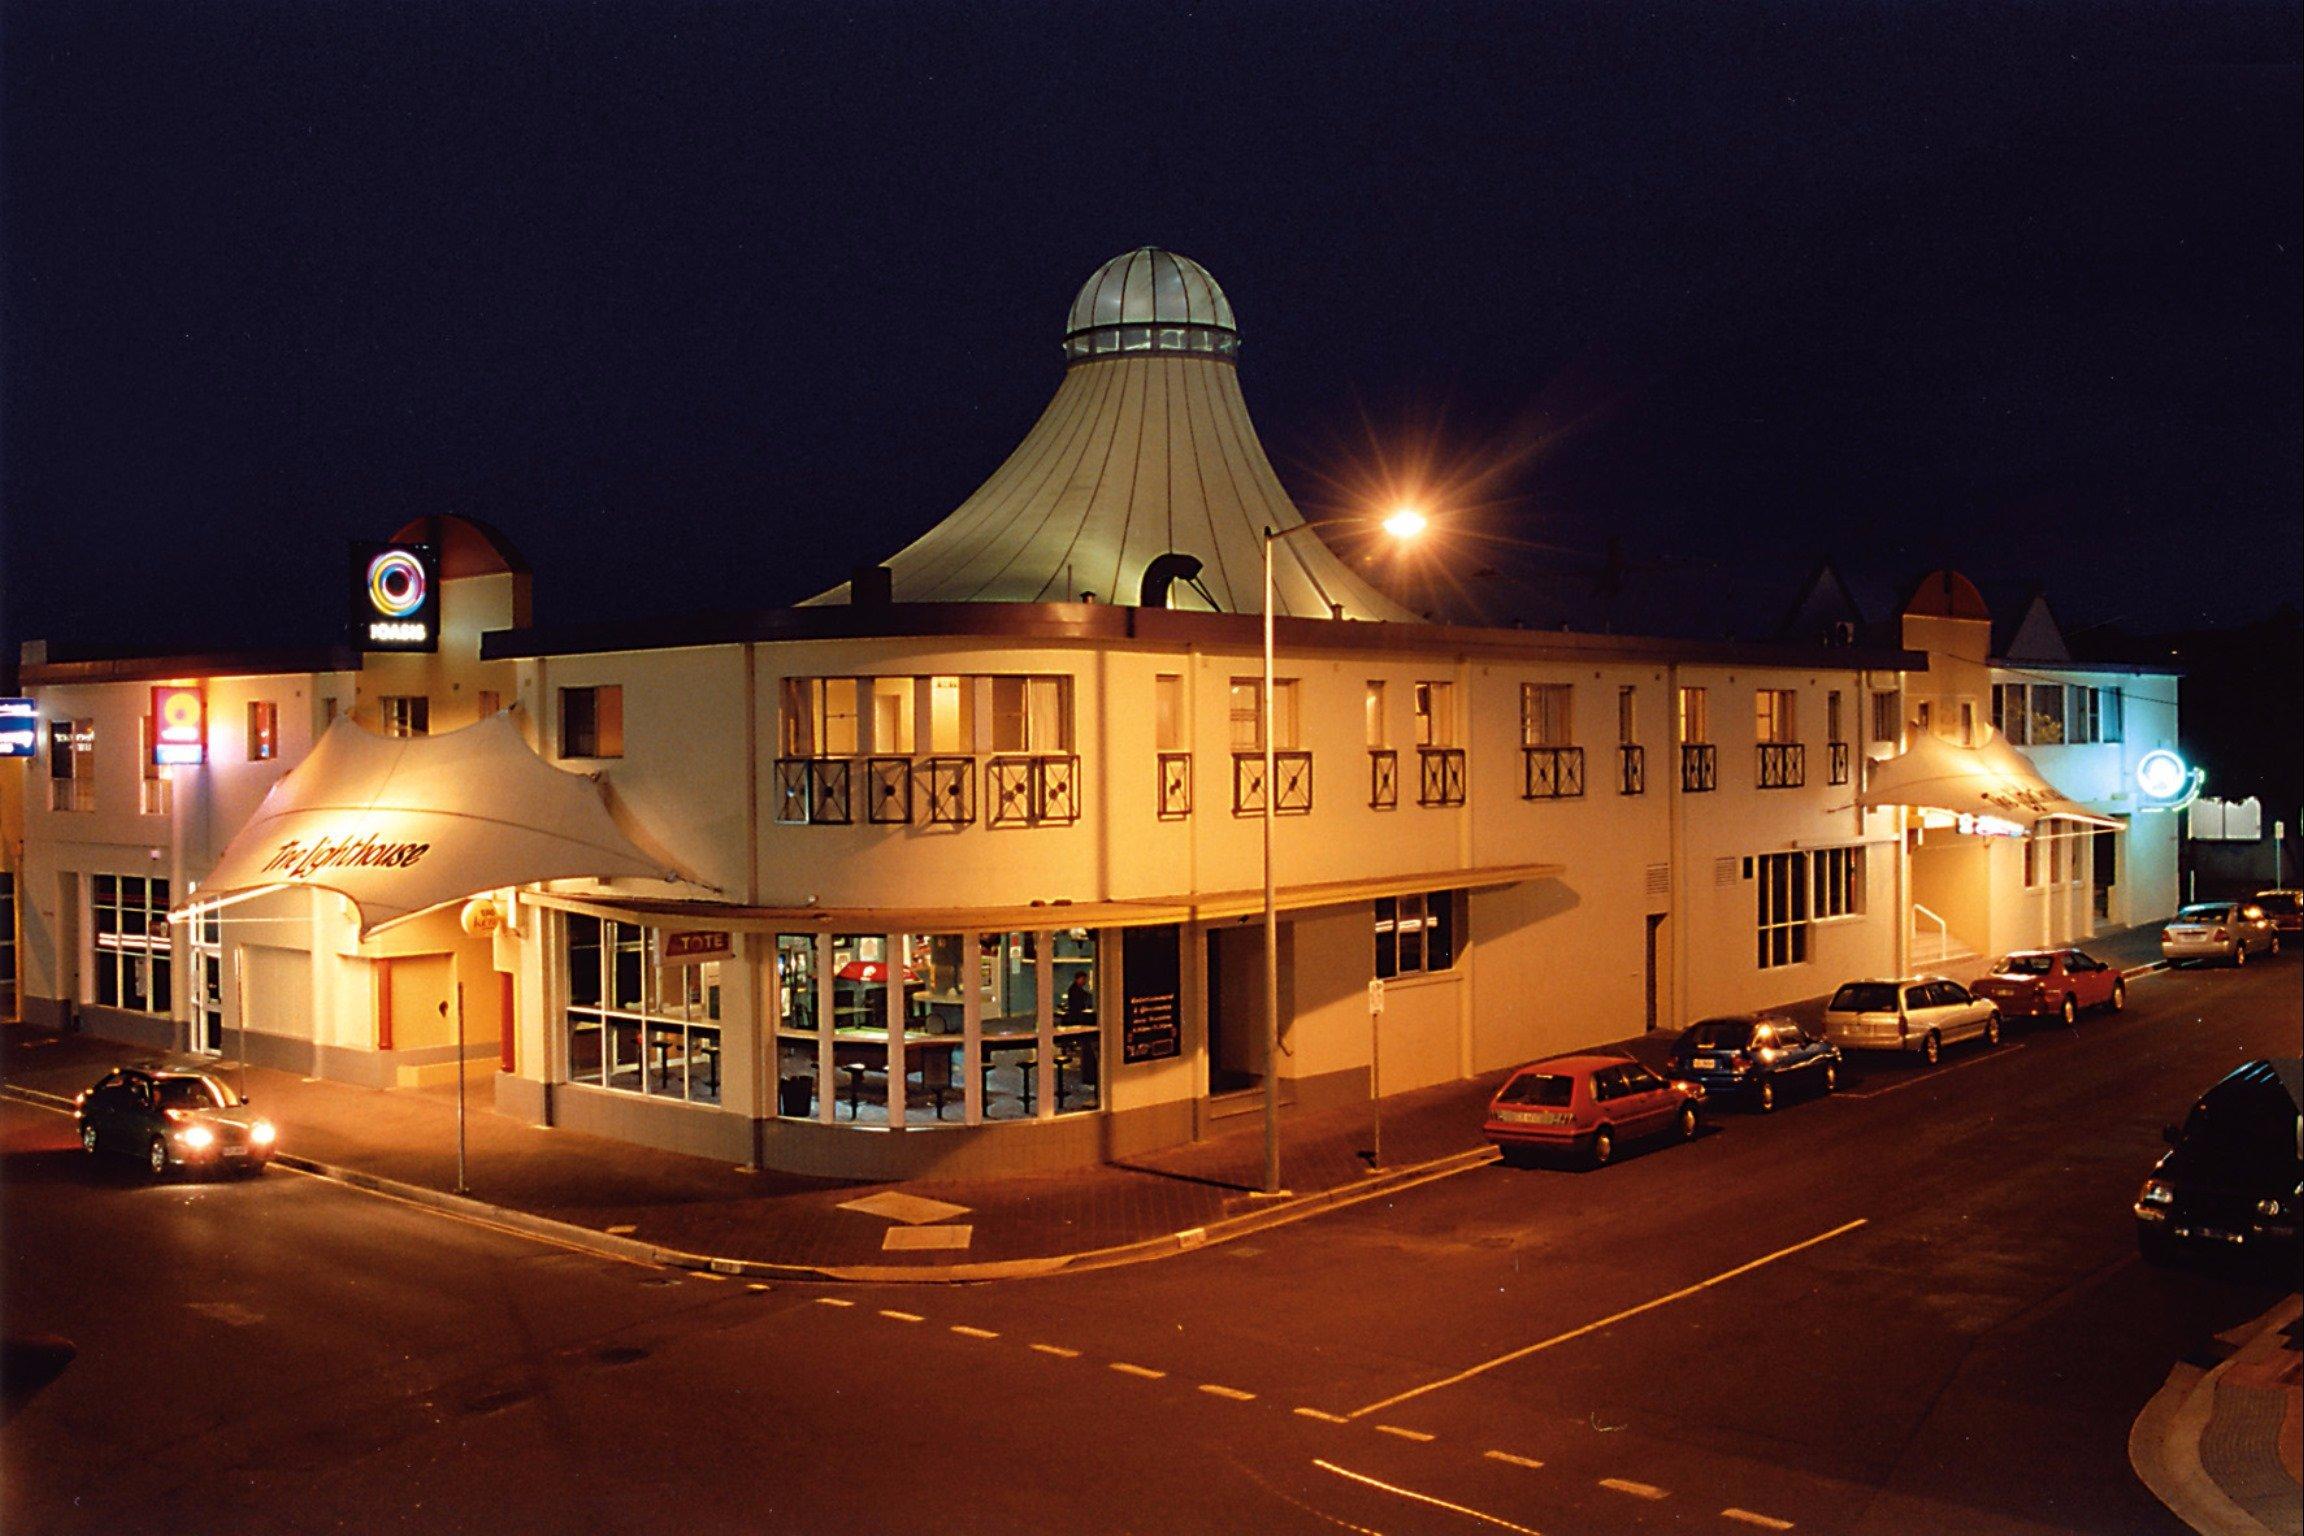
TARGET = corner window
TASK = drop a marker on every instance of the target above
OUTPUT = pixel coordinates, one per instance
(1547, 715)
(592, 721)
(1416, 934)
(1888, 717)
(643, 1017)
(1032, 715)
(1695, 722)
(819, 716)
(1168, 713)
(263, 731)
(2108, 701)
(2012, 713)
(1248, 720)
(1435, 714)
(1627, 716)
(72, 765)
(892, 699)
(951, 715)
(1378, 728)
(1772, 719)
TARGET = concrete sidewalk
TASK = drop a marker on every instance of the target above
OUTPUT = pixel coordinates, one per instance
(2223, 1444)
(667, 1207)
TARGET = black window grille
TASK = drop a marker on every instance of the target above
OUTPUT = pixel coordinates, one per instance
(1552, 773)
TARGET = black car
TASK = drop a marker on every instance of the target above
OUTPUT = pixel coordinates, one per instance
(169, 1119)
(1757, 1058)
(2233, 1176)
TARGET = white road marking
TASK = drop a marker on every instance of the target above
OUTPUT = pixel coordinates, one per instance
(1425, 1498)
(1765, 1522)
(1144, 1371)
(1614, 1317)
(755, 1286)
(834, 1301)
(1998, 1053)
(902, 1317)
(1637, 1490)
(625, 1230)
(967, 1332)
(1517, 1461)
(1325, 1418)
(1416, 1435)
(1233, 1393)
(1058, 1350)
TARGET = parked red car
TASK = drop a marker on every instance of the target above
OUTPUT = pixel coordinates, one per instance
(2285, 908)
(2057, 983)
(1587, 1104)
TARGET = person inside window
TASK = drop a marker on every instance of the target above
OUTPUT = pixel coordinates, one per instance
(1079, 1003)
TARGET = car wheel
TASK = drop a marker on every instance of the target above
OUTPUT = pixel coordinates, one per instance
(1831, 1076)
(2070, 1013)
(2239, 955)
(1603, 1149)
(2155, 1246)
(156, 1156)
(1931, 1048)
(2119, 996)
(88, 1140)
(1766, 1098)
(1992, 1028)
(1687, 1122)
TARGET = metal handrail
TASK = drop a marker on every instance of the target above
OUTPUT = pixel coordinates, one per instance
(1943, 931)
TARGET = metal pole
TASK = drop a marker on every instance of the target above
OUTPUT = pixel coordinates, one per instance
(1375, 1077)
(461, 1187)
(1271, 910)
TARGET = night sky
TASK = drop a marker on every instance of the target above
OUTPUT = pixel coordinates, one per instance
(703, 305)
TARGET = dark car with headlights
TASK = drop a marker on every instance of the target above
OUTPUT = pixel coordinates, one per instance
(168, 1119)
(1754, 1057)
(2233, 1176)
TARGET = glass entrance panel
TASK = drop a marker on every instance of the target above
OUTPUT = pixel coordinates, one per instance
(934, 1010)
(1008, 982)
(1079, 1039)
(798, 1043)
(860, 1027)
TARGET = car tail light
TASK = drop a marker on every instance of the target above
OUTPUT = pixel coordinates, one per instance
(1740, 1061)
(2221, 935)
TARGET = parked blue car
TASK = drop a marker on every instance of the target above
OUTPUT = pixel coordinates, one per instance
(1756, 1057)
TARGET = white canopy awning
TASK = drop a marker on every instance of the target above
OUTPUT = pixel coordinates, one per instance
(400, 825)
(1991, 779)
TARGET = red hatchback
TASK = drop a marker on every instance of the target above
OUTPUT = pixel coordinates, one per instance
(1587, 1104)
(2058, 983)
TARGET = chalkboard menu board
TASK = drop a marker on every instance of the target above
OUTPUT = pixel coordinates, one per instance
(1152, 1023)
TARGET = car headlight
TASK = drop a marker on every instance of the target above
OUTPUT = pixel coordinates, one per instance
(2270, 1210)
(197, 1137)
(261, 1133)
(2157, 1192)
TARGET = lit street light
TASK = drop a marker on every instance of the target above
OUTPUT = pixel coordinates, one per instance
(1403, 523)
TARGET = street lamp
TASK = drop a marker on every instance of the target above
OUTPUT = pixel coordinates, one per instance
(1402, 523)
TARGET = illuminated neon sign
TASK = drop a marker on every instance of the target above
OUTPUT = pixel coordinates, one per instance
(395, 597)
(2166, 782)
(179, 725)
(19, 728)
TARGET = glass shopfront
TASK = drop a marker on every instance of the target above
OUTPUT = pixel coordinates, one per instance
(636, 1023)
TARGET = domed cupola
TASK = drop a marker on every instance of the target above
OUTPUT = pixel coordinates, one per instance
(1150, 300)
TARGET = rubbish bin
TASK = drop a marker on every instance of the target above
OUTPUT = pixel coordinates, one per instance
(795, 1096)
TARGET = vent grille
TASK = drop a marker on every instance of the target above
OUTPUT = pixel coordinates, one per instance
(1724, 872)
(1659, 879)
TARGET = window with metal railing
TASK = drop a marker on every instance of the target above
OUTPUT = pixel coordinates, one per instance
(1440, 776)
(1383, 779)
(1699, 767)
(1631, 769)
(1032, 791)
(1551, 773)
(814, 791)
(946, 790)
(1175, 785)
(1291, 770)
(1782, 764)
(1836, 761)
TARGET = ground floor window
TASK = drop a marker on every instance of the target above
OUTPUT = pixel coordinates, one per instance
(7, 944)
(635, 1022)
(129, 918)
(1416, 933)
(1783, 909)
(1839, 881)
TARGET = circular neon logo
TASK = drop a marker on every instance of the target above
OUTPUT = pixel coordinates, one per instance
(2161, 775)
(396, 583)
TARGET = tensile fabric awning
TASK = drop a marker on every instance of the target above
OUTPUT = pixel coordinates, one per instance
(400, 825)
(1991, 779)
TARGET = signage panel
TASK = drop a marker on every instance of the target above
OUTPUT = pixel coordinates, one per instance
(395, 597)
(695, 947)
(19, 728)
(1151, 1023)
(179, 725)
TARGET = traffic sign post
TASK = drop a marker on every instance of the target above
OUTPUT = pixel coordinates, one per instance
(1375, 1076)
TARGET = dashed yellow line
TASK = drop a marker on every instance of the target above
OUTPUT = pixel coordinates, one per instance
(1510, 1459)
(1058, 1350)
(901, 1317)
(1637, 1490)
(1765, 1522)
(967, 1332)
(834, 1301)
(1416, 1435)
(1144, 1371)
(1325, 1418)
(1234, 1393)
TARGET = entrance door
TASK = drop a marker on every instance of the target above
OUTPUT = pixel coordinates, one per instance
(1655, 963)
(207, 953)
(1235, 1009)
(2106, 850)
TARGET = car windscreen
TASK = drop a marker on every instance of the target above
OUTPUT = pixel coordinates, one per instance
(1720, 1034)
(1865, 997)
(2026, 965)
(2205, 912)
(2252, 1124)
(189, 1093)
(2280, 902)
(1538, 1088)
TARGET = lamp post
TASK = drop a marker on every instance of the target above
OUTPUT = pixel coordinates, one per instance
(1403, 524)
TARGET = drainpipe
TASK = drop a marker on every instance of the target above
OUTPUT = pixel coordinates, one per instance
(1673, 809)
(766, 1075)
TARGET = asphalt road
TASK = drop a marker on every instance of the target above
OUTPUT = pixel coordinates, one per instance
(1910, 1308)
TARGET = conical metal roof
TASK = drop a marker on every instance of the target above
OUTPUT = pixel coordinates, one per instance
(1146, 449)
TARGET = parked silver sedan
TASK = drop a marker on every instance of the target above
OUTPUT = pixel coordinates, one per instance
(2219, 930)
(1919, 1014)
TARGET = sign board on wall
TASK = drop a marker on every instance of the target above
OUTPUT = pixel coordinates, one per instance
(179, 725)
(395, 597)
(1151, 1022)
(695, 947)
(19, 728)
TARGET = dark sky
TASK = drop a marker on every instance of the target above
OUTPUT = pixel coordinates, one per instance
(702, 305)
